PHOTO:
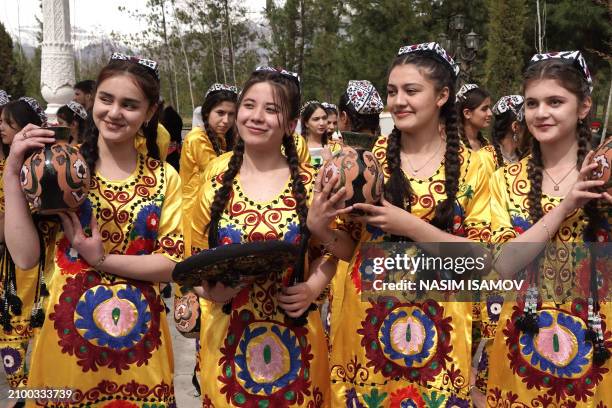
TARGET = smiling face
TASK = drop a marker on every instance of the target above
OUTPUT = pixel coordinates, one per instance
(317, 123)
(222, 117)
(480, 117)
(259, 120)
(413, 99)
(552, 111)
(120, 108)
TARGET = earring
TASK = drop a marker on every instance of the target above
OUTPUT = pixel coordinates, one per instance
(146, 124)
(515, 137)
(580, 121)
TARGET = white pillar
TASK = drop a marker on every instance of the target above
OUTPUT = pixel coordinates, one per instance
(57, 59)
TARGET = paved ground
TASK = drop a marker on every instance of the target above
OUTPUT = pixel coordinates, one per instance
(184, 360)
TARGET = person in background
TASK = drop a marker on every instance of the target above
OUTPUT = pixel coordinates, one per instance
(173, 122)
(84, 92)
(74, 116)
(360, 106)
(474, 110)
(332, 120)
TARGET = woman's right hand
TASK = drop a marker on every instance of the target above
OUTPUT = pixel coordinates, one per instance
(218, 293)
(322, 210)
(581, 193)
(29, 138)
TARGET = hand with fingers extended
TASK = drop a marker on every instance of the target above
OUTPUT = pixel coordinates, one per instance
(29, 138)
(323, 209)
(387, 217)
(90, 248)
(581, 192)
(296, 299)
(217, 293)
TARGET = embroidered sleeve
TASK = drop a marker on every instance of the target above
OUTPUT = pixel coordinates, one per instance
(170, 237)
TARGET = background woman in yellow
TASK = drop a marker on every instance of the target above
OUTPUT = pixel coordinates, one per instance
(105, 334)
(252, 354)
(203, 144)
(548, 351)
(20, 288)
(474, 108)
(434, 191)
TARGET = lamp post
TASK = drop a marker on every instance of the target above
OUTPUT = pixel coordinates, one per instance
(463, 47)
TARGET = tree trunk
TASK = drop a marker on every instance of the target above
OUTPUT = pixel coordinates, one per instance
(173, 86)
(180, 37)
(230, 41)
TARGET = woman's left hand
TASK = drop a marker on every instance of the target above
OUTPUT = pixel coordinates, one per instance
(387, 217)
(295, 300)
(90, 248)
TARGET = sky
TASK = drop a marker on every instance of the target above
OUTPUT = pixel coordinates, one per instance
(97, 17)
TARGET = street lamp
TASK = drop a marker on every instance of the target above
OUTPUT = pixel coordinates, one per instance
(463, 47)
(471, 41)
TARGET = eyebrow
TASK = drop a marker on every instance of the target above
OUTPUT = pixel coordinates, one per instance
(129, 100)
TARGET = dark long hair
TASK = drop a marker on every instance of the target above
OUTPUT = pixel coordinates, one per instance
(68, 115)
(471, 100)
(210, 102)
(18, 114)
(149, 86)
(501, 126)
(359, 121)
(307, 113)
(397, 189)
(286, 93)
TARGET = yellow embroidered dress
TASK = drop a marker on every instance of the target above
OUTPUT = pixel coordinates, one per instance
(554, 368)
(15, 336)
(163, 142)
(374, 362)
(104, 336)
(254, 356)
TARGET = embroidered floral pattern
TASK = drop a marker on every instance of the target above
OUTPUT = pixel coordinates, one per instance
(407, 397)
(11, 360)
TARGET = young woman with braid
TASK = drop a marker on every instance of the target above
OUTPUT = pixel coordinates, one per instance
(552, 346)
(202, 144)
(74, 116)
(434, 191)
(251, 351)
(19, 291)
(474, 108)
(506, 135)
(313, 118)
(104, 333)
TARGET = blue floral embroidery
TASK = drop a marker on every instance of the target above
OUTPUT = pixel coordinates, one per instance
(389, 348)
(520, 224)
(85, 213)
(577, 364)
(147, 222)
(229, 235)
(94, 297)
(11, 360)
(291, 352)
(375, 231)
(293, 234)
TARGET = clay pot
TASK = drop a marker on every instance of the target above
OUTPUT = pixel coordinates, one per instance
(187, 315)
(56, 177)
(603, 158)
(359, 172)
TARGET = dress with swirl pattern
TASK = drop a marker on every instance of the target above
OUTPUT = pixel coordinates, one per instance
(553, 368)
(106, 337)
(396, 352)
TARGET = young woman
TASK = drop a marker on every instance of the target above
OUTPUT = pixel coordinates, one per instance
(215, 137)
(20, 287)
(332, 118)
(105, 334)
(553, 343)
(251, 352)
(474, 107)
(313, 118)
(435, 191)
(173, 123)
(360, 106)
(74, 116)
(506, 135)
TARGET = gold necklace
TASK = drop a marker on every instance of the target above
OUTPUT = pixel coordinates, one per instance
(556, 187)
(415, 171)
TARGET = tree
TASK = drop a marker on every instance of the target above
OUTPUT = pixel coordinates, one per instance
(11, 77)
(505, 46)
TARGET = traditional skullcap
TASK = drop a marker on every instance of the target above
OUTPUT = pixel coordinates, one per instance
(78, 109)
(510, 102)
(33, 103)
(434, 49)
(328, 105)
(216, 87)
(150, 65)
(4, 97)
(291, 75)
(463, 90)
(364, 97)
(305, 105)
(573, 57)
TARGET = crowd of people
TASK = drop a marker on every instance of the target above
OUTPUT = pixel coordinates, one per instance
(83, 289)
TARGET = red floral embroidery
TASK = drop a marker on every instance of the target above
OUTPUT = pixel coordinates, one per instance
(68, 259)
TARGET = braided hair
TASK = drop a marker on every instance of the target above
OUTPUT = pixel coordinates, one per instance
(286, 92)
(471, 100)
(397, 189)
(308, 111)
(17, 115)
(149, 87)
(210, 103)
(501, 127)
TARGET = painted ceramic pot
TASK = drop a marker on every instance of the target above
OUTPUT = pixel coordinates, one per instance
(187, 315)
(603, 158)
(359, 172)
(56, 177)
